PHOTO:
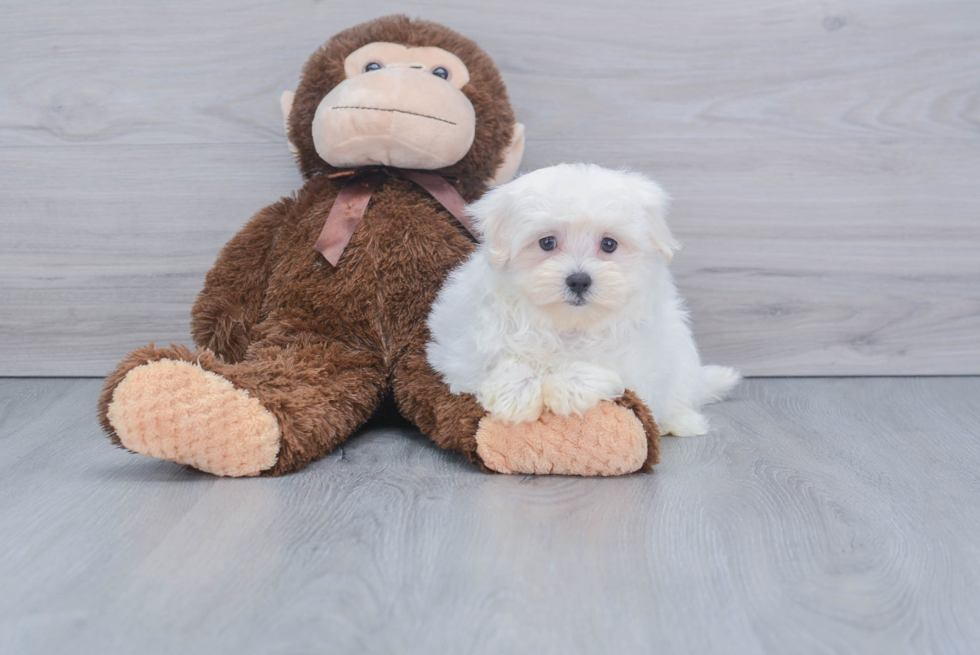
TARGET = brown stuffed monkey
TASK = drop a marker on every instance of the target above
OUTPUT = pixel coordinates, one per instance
(296, 346)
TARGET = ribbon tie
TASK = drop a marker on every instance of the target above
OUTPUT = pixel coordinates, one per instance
(353, 199)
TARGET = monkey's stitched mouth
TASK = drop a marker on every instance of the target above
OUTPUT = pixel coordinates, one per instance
(397, 111)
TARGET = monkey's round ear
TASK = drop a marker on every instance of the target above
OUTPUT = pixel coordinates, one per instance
(286, 105)
(655, 203)
(490, 215)
(512, 158)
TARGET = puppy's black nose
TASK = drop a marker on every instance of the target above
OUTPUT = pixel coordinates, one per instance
(579, 283)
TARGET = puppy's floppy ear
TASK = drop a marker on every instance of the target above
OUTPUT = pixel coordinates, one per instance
(655, 201)
(491, 214)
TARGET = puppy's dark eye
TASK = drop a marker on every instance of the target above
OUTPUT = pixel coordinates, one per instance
(439, 71)
(548, 243)
(373, 66)
(608, 245)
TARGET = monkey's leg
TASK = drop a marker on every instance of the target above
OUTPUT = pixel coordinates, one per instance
(280, 408)
(451, 421)
(614, 438)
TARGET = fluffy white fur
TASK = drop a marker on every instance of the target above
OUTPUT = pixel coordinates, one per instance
(507, 327)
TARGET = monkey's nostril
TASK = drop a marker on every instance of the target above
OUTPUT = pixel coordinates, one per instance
(579, 283)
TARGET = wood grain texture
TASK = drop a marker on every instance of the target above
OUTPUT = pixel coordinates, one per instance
(818, 516)
(823, 158)
(211, 72)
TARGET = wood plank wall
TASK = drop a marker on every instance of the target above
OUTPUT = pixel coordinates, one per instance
(824, 158)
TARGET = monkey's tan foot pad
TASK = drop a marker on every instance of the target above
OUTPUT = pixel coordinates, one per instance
(608, 440)
(177, 411)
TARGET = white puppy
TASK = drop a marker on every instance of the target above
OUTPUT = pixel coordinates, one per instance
(569, 301)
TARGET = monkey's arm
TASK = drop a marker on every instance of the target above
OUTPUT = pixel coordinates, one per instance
(230, 302)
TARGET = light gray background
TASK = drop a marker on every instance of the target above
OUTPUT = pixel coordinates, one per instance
(824, 158)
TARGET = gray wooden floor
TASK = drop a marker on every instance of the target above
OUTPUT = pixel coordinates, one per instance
(819, 516)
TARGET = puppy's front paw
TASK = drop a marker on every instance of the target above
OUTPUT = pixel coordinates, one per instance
(686, 423)
(578, 387)
(512, 393)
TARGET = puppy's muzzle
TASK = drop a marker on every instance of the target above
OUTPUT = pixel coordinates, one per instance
(578, 284)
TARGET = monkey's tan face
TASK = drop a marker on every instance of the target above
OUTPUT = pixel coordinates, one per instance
(398, 106)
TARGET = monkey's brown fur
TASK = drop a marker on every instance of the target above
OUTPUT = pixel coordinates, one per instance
(320, 347)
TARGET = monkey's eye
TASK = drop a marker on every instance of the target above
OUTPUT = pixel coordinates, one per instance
(439, 71)
(608, 245)
(373, 66)
(548, 243)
